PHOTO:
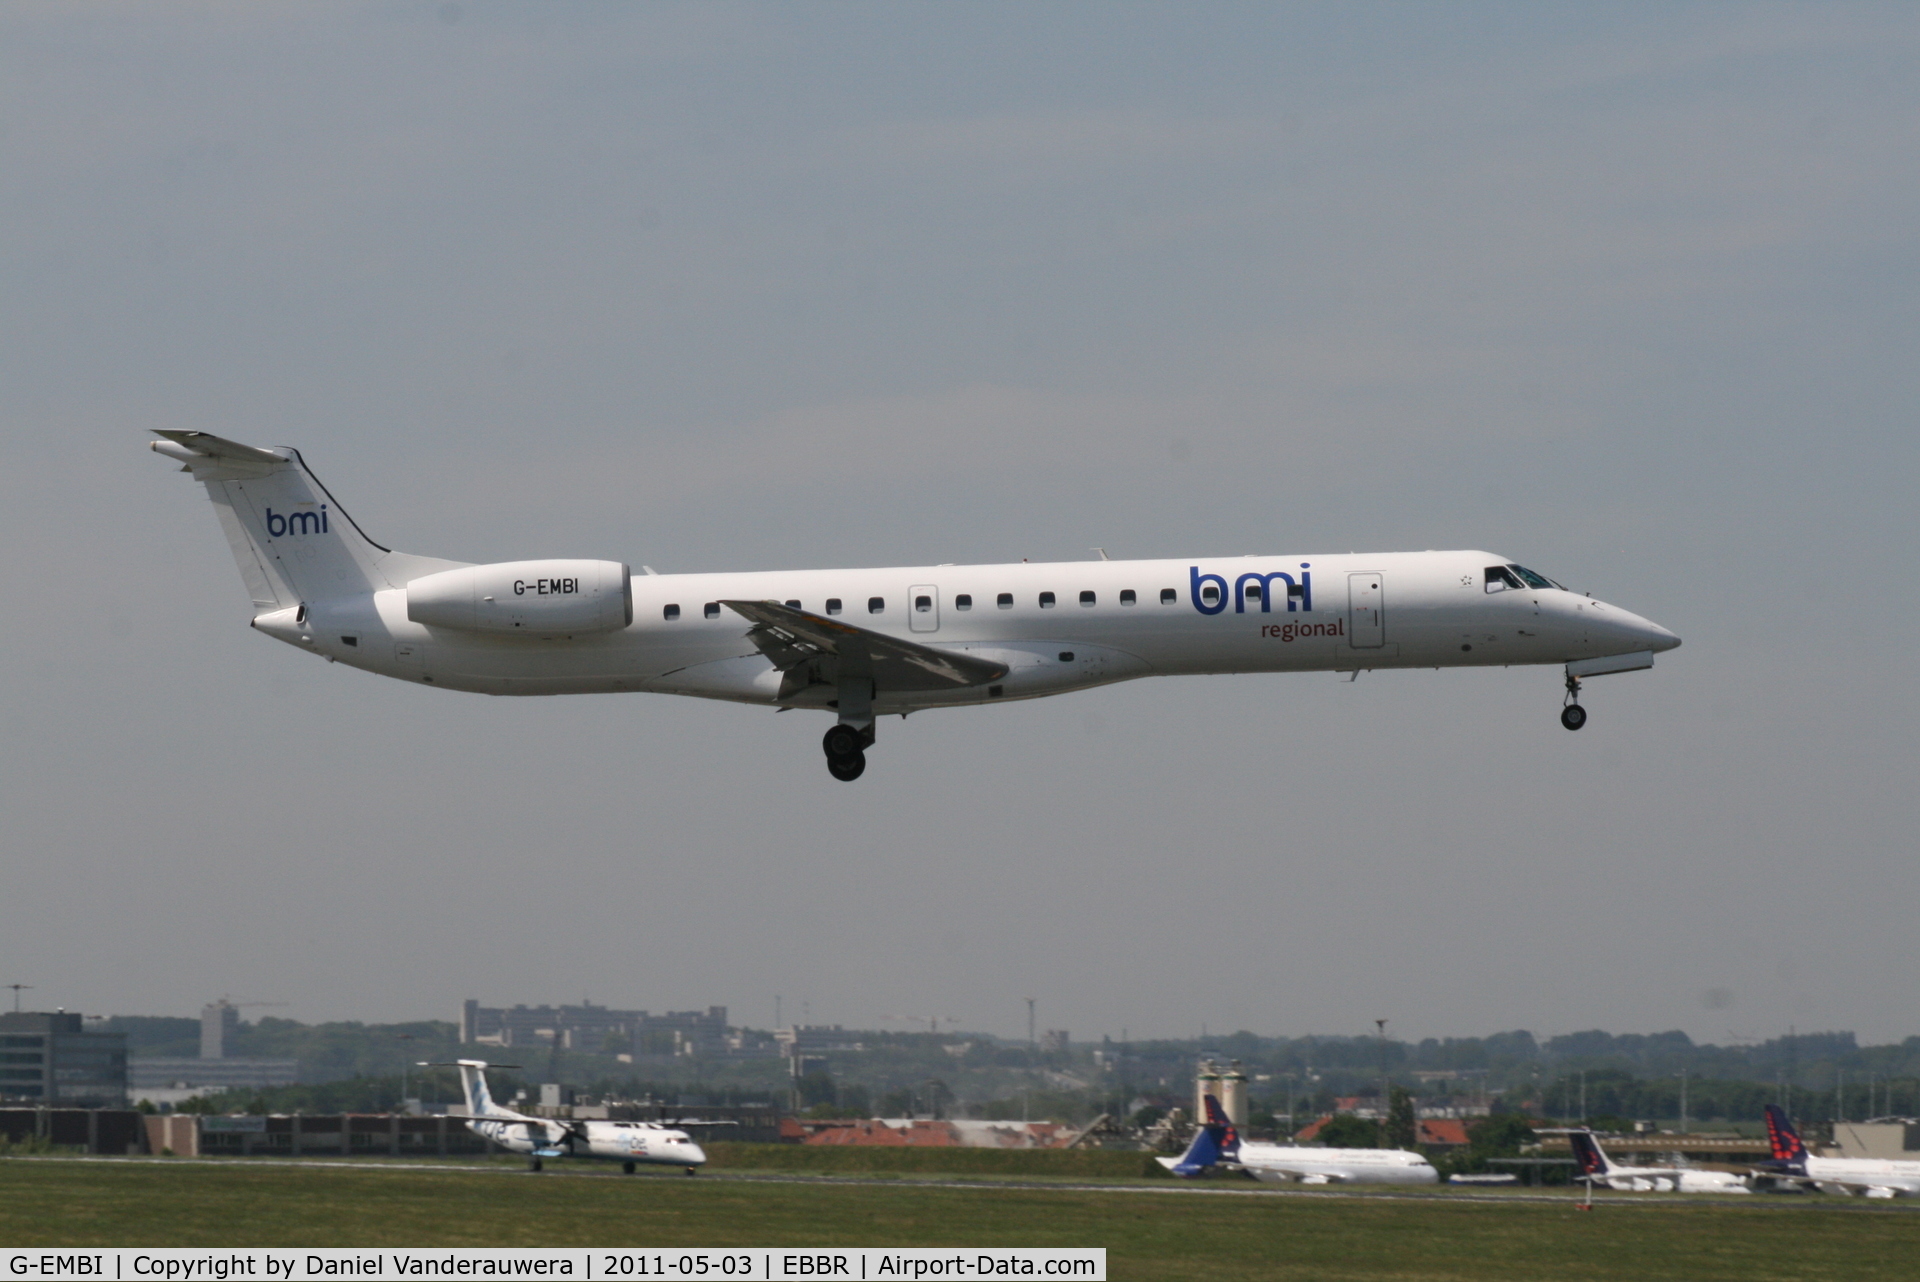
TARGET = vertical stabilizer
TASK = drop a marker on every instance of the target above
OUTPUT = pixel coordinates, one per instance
(1213, 1143)
(1789, 1150)
(1588, 1155)
(292, 540)
(473, 1078)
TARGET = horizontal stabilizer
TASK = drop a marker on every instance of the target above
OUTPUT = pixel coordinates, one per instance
(191, 446)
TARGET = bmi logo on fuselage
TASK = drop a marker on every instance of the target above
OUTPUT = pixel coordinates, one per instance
(279, 527)
(1209, 591)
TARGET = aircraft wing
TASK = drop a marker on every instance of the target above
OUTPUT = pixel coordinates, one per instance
(1301, 1171)
(793, 639)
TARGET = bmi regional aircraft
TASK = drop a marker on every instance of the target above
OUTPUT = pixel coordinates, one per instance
(926, 637)
(632, 1144)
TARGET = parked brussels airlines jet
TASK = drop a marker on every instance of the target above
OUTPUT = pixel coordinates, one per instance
(1218, 1143)
(868, 643)
(631, 1144)
(1871, 1176)
(1595, 1165)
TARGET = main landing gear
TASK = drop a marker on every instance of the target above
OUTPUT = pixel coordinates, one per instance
(628, 1168)
(534, 1164)
(846, 748)
(1572, 715)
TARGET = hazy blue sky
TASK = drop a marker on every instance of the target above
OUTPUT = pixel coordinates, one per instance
(1627, 293)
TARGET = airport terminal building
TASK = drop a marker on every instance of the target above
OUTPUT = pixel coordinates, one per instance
(49, 1058)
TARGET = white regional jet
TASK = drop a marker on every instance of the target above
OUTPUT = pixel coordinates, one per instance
(1596, 1167)
(628, 1143)
(1218, 1143)
(1870, 1176)
(926, 637)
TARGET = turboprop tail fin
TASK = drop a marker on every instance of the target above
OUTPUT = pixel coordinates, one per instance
(473, 1078)
(292, 541)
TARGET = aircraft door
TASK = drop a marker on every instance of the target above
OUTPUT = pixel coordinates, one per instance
(923, 608)
(1366, 606)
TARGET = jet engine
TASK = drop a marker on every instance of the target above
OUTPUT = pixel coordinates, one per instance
(525, 596)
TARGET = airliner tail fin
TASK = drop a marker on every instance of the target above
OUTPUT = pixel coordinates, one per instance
(291, 539)
(1589, 1158)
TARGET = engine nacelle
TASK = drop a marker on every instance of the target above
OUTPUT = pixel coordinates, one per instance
(525, 596)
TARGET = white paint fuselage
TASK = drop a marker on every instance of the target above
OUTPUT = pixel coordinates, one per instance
(1433, 611)
(1290, 1163)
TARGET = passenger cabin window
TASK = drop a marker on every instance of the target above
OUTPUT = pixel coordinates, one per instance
(876, 604)
(964, 601)
(1533, 580)
(713, 609)
(1210, 594)
(1126, 596)
(1253, 591)
(1086, 598)
(1004, 601)
(1046, 600)
(922, 604)
(1168, 596)
(671, 613)
(833, 605)
(793, 605)
(1500, 578)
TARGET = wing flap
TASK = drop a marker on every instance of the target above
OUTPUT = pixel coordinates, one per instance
(792, 639)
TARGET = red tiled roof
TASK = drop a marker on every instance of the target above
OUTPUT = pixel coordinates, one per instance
(868, 1131)
(1442, 1130)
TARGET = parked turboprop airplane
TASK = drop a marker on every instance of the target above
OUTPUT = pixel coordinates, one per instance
(928, 637)
(628, 1143)
(1872, 1176)
(1594, 1165)
(1218, 1143)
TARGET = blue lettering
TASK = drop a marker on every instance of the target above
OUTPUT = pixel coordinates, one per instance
(1266, 591)
(276, 525)
(303, 522)
(1199, 593)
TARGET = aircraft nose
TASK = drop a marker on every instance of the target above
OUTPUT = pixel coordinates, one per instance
(1656, 637)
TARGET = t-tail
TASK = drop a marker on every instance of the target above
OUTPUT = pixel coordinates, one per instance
(1789, 1151)
(293, 542)
(1588, 1156)
(473, 1076)
(1215, 1142)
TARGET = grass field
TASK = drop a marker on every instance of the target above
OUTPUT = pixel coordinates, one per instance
(1148, 1233)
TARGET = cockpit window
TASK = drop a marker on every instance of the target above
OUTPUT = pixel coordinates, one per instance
(1533, 580)
(1500, 578)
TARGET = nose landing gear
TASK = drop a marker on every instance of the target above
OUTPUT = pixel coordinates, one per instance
(1572, 715)
(846, 748)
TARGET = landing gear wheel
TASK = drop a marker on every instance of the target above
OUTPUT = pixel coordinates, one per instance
(842, 741)
(1573, 716)
(846, 770)
(628, 1167)
(692, 1171)
(534, 1165)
